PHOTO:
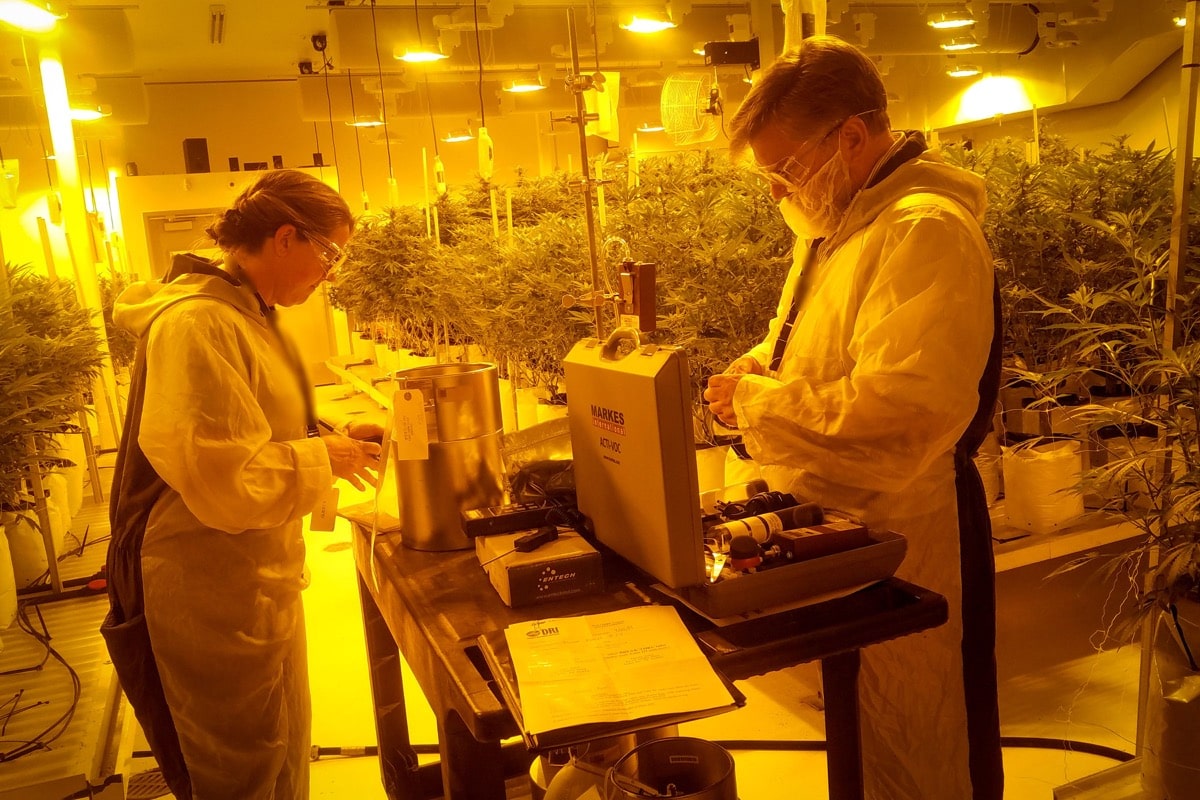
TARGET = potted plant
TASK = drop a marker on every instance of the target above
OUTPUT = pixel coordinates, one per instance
(1149, 471)
(49, 357)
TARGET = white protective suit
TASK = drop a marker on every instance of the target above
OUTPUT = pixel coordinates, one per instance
(879, 379)
(223, 423)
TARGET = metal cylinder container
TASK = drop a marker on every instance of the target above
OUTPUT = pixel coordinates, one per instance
(465, 466)
(681, 767)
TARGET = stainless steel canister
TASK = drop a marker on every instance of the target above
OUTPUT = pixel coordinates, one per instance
(465, 467)
(677, 767)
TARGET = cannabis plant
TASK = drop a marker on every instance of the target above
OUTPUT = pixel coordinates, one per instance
(49, 357)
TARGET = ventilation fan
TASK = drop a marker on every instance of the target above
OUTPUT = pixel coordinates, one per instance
(690, 107)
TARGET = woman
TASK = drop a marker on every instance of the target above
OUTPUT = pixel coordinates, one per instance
(219, 463)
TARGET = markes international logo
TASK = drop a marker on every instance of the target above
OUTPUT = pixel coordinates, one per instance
(608, 419)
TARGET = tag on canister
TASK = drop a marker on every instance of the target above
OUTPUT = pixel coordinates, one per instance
(324, 516)
(409, 433)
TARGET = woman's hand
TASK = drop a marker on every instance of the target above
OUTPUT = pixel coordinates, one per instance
(353, 460)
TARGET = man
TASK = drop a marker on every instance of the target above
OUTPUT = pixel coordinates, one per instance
(874, 387)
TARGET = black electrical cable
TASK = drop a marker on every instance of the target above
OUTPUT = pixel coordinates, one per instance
(479, 54)
(362, 181)
(382, 95)
(325, 65)
(54, 730)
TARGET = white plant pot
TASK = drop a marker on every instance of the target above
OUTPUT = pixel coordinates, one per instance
(27, 550)
(1041, 485)
(8, 587)
(71, 447)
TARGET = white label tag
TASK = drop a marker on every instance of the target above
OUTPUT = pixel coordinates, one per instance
(408, 431)
(324, 516)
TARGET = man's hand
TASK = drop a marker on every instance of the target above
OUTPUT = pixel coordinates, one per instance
(719, 396)
(364, 430)
(746, 365)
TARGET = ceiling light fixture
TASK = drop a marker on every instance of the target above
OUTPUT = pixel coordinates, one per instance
(646, 127)
(1180, 22)
(959, 44)
(963, 70)
(698, 48)
(524, 84)
(365, 121)
(415, 55)
(29, 15)
(458, 135)
(90, 113)
(951, 20)
(648, 22)
(418, 53)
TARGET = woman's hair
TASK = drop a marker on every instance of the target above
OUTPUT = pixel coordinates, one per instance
(821, 83)
(279, 197)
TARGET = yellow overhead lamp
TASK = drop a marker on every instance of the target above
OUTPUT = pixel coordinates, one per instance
(458, 135)
(90, 113)
(417, 55)
(1180, 22)
(646, 127)
(963, 70)
(648, 22)
(959, 43)
(29, 15)
(951, 20)
(365, 121)
(524, 84)
(698, 48)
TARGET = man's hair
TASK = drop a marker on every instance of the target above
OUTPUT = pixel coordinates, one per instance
(819, 84)
(279, 197)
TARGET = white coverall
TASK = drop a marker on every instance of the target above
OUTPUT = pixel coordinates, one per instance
(878, 381)
(223, 423)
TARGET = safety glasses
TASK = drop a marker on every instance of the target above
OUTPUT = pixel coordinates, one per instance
(332, 255)
(789, 172)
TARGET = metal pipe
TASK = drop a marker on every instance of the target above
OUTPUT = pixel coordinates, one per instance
(588, 213)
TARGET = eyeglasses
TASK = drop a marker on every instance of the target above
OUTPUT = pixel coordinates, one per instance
(332, 255)
(783, 172)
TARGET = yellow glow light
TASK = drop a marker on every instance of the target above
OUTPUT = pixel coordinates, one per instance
(89, 113)
(365, 121)
(414, 56)
(959, 44)
(458, 136)
(28, 16)
(951, 20)
(523, 86)
(991, 97)
(1180, 22)
(644, 24)
(963, 71)
(646, 127)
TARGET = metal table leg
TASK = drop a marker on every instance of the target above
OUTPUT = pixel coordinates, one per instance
(839, 674)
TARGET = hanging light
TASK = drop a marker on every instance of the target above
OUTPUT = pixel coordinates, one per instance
(524, 84)
(951, 20)
(959, 44)
(90, 113)
(29, 15)
(458, 135)
(1180, 22)
(646, 127)
(365, 121)
(698, 48)
(417, 52)
(963, 70)
(648, 22)
(417, 55)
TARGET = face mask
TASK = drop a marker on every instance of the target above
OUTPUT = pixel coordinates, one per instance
(816, 208)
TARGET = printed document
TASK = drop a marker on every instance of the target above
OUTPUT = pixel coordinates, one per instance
(613, 667)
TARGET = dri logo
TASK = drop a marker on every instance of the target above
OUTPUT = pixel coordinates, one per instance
(544, 630)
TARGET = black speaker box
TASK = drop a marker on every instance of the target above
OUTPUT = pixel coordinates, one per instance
(195, 155)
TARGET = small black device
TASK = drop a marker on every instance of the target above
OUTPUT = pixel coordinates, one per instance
(509, 518)
(529, 542)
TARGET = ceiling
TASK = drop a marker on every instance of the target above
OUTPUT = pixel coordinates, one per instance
(1078, 51)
